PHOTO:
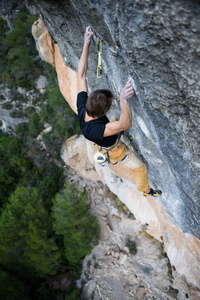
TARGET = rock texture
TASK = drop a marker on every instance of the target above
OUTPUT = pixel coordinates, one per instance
(7, 95)
(50, 53)
(157, 43)
(128, 263)
(168, 217)
(78, 153)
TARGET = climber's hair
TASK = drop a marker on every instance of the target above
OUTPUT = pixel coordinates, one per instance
(98, 103)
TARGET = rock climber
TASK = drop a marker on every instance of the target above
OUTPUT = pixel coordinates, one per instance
(96, 127)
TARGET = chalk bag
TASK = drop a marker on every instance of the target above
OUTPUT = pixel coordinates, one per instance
(101, 159)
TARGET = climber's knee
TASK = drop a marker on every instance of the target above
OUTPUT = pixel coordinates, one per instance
(131, 160)
(141, 170)
(141, 177)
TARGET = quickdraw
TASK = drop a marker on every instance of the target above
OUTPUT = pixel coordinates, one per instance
(99, 67)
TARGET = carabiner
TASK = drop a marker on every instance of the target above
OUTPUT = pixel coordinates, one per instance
(99, 71)
(100, 46)
(99, 68)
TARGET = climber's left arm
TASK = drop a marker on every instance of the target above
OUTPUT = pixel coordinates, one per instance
(125, 119)
(83, 63)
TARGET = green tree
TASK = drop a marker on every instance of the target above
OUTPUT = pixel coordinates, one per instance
(10, 150)
(3, 48)
(10, 287)
(74, 295)
(3, 28)
(24, 235)
(72, 220)
(48, 188)
(35, 125)
(21, 35)
(46, 112)
(16, 284)
(19, 51)
(21, 65)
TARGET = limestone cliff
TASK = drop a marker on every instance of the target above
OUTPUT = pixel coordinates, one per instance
(180, 247)
(157, 44)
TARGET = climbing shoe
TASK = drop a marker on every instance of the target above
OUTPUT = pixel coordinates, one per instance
(153, 193)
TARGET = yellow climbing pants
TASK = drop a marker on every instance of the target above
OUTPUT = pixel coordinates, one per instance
(131, 161)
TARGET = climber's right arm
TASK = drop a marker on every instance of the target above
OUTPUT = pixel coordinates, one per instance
(82, 66)
(125, 120)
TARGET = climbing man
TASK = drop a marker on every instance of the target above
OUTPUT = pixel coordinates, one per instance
(96, 127)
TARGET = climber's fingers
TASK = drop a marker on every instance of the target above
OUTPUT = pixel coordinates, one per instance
(128, 90)
(88, 35)
(128, 84)
(88, 29)
(130, 93)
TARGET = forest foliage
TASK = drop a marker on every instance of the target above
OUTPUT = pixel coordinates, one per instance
(74, 223)
(17, 50)
(45, 226)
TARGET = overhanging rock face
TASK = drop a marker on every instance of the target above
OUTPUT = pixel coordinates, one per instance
(157, 43)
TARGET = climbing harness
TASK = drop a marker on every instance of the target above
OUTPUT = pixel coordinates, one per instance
(102, 155)
(99, 67)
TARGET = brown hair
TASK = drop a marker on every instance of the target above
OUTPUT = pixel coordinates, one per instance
(98, 103)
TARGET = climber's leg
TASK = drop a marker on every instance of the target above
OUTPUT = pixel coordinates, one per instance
(139, 171)
(122, 153)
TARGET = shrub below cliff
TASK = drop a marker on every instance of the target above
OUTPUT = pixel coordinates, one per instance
(80, 229)
(19, 49)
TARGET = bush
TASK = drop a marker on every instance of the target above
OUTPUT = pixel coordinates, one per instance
(7, 105)
(24, 233)
(78, 227)
(30, 110)
(132, 245)
(74, 295)
(3, 29)
(22, 129)
(53, 142)
(17, 114)
(19, 105)
(35, 125)
(11, 287)
(10, 149)
(20, 51)
(46, 112)
(21, 34)
(36, 101)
